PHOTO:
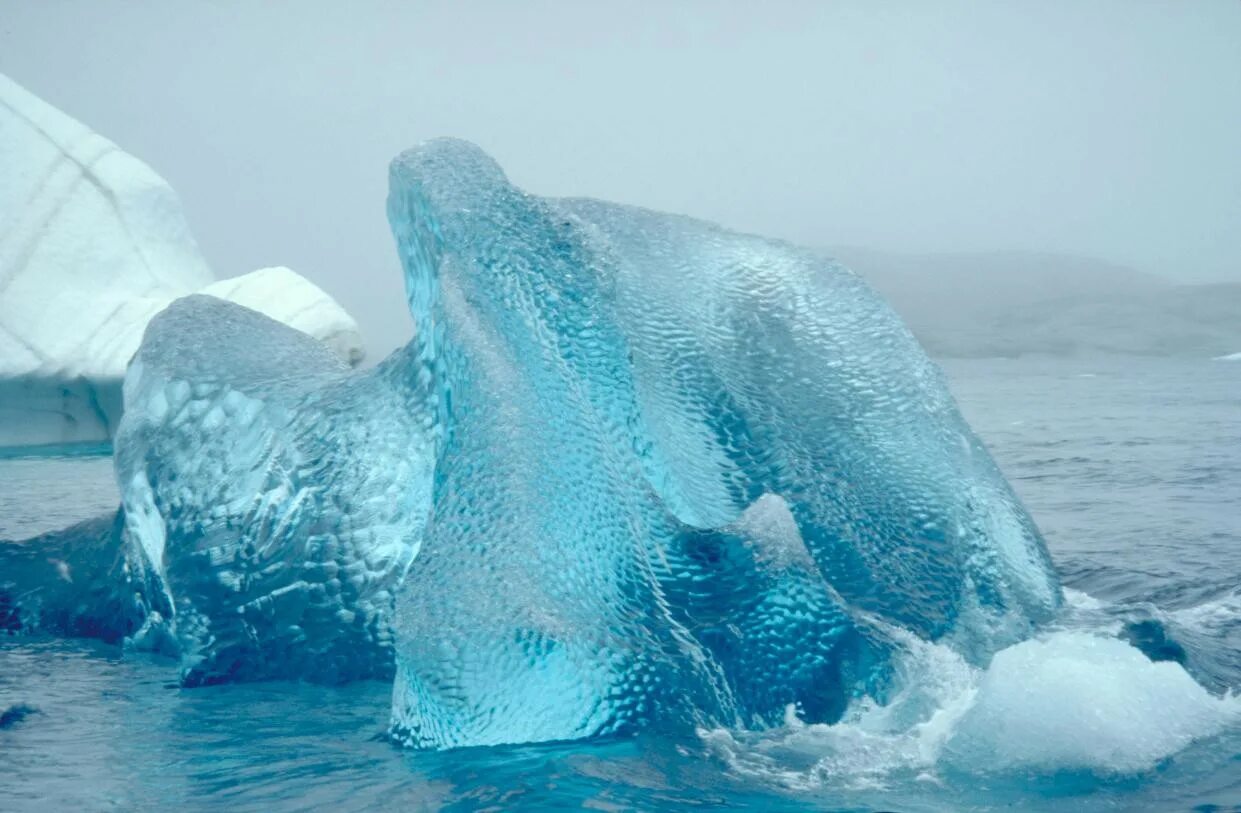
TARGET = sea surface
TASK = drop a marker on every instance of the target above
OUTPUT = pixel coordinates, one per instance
(1132, 468)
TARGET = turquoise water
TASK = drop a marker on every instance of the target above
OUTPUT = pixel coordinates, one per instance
(1131, 468)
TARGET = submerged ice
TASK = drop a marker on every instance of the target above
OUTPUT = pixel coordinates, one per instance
(632, 469)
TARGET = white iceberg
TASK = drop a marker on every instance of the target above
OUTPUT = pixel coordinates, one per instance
(288, 297)
(93, 244)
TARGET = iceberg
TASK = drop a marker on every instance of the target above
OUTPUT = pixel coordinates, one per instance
(272, 498)
(682, 474)
(632, 470)
(93, 244)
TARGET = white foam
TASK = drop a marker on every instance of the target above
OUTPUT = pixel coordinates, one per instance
(1080, 600)
(1071, 701)
(1210, 617)
(873, 742)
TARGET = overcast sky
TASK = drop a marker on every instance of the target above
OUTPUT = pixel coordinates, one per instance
(1104, 129)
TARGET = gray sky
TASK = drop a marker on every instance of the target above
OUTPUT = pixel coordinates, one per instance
(1104, 129)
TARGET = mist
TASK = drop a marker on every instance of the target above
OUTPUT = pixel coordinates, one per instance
(1105, 131)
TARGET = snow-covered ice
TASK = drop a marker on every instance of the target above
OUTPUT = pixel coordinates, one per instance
(93, 244)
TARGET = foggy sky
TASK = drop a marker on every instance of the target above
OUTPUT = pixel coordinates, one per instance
(1104, 129)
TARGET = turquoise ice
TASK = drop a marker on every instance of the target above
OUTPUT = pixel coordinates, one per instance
(633, 470)
(272, 498)
(682, 474)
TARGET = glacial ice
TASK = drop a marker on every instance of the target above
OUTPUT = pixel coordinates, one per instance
(632, 470)
(92, 245)
(682, 474)
(1082, 703)
(272, 498)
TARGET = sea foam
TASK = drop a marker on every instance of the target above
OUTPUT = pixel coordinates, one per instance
(1068, 702)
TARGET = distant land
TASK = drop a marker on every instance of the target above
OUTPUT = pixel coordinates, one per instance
(1006, 304)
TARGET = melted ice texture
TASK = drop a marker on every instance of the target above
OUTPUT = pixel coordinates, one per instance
(682, 475)
(272, 498)
(633, 470)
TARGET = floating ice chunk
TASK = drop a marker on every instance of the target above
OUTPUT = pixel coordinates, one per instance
(1081, 702)
(272, 497)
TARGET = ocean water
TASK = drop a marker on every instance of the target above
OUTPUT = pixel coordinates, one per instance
(1132, 468)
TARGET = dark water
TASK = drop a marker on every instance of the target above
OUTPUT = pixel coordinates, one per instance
(1131, 468)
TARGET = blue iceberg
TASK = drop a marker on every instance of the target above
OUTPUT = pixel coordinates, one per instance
(633, 469)
(682, 474)
(272, 497)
